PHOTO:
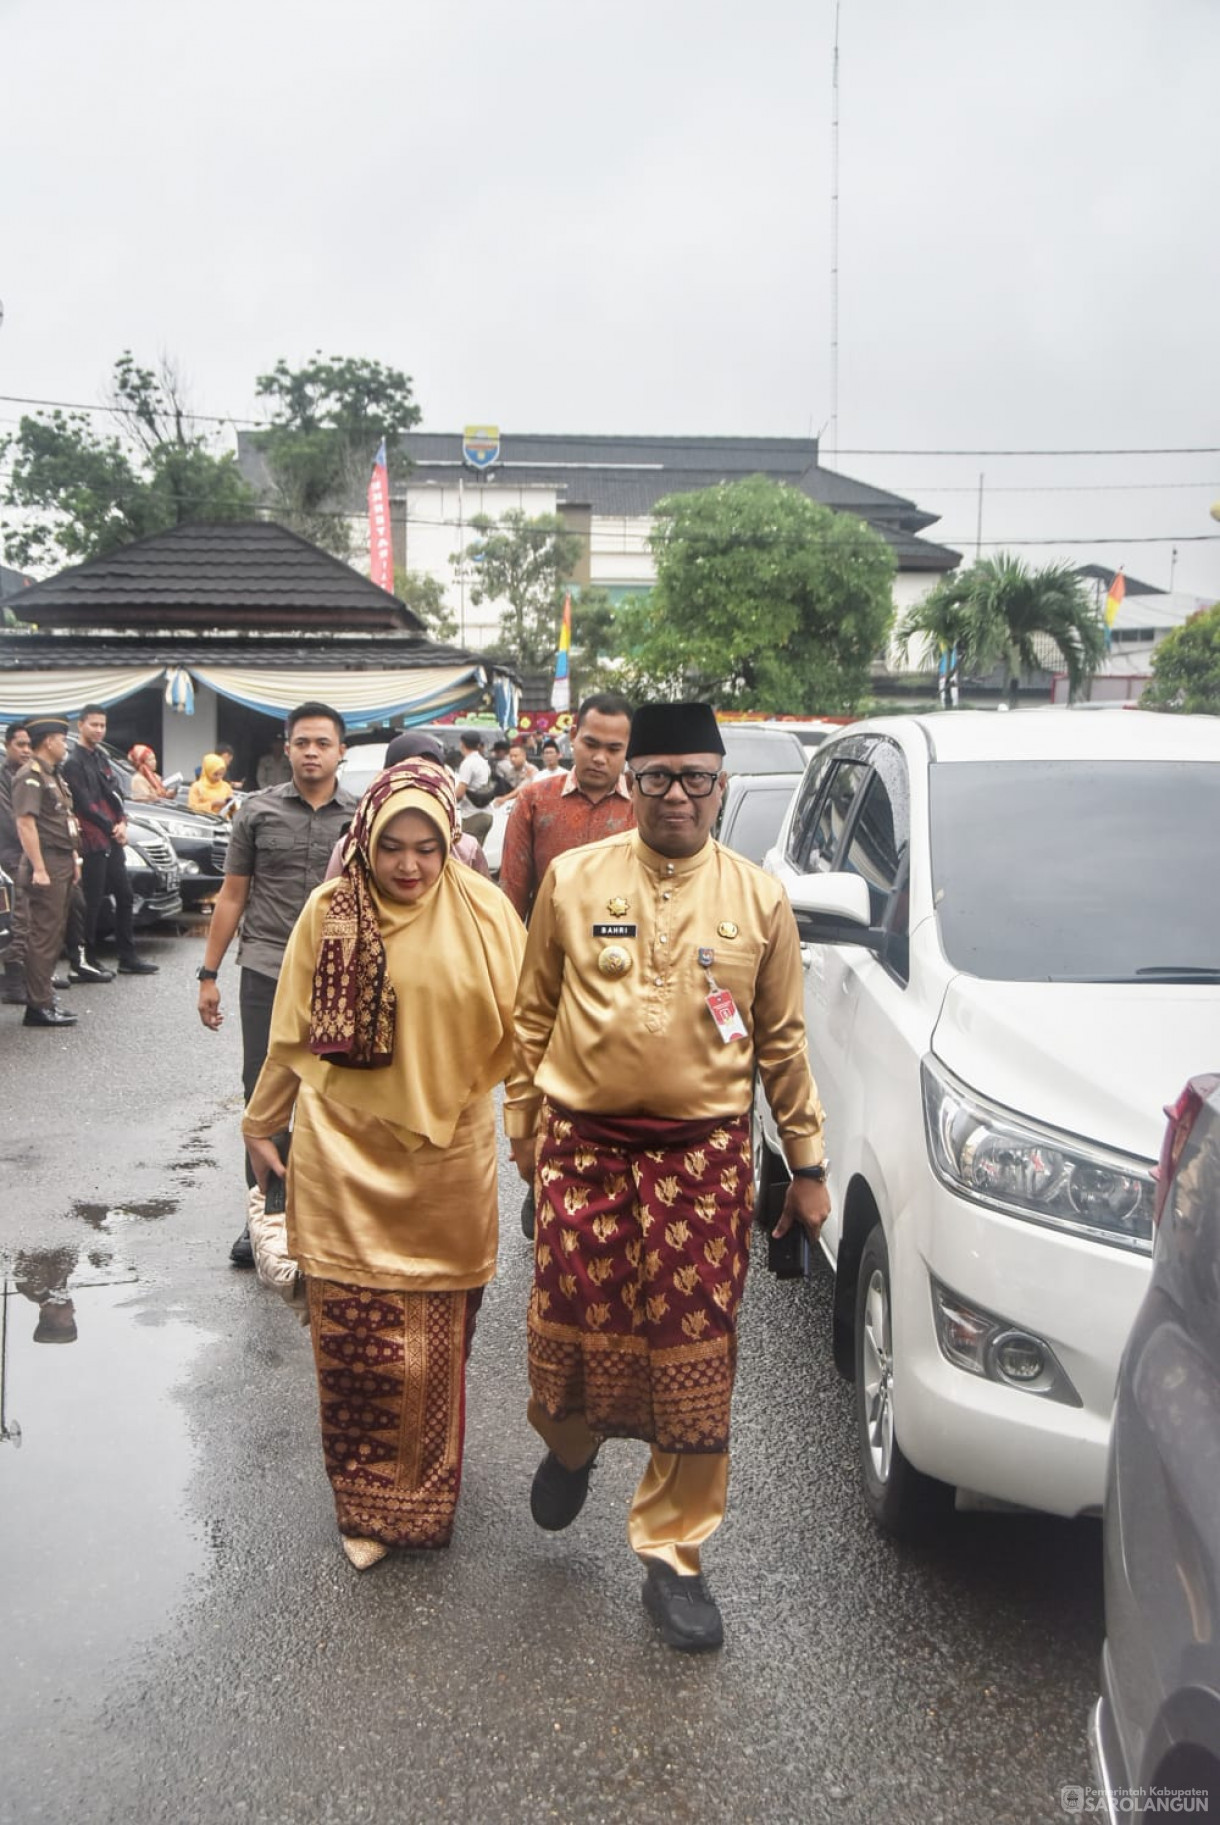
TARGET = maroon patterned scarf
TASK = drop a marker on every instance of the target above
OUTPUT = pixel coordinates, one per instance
(352, 1011)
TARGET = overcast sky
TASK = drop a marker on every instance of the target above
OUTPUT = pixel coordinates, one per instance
(593, 217)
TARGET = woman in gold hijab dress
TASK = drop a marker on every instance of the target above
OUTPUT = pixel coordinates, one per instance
(392, 1025)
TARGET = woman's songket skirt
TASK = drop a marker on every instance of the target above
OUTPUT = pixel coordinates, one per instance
(392, 1385)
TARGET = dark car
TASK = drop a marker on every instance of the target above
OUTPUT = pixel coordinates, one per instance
(152, 869)
(201, 844)
(1155, 1730)
(752, 812)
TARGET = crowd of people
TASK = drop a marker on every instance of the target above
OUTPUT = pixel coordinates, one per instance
(626, 981)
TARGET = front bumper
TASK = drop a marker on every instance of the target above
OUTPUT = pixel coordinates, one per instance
(1000, 1441)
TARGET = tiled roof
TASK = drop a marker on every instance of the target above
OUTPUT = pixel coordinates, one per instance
(241, 573)
(370, 653)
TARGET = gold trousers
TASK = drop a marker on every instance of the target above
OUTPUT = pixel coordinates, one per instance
(680, 1501)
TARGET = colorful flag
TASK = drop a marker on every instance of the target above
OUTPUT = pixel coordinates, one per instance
(1114, 598)
(561, 689)
(381, 548)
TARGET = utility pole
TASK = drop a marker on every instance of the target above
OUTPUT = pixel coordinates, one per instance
(834, 248)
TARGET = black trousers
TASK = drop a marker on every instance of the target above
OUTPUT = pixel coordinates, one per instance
(256, 999)
(102, 872)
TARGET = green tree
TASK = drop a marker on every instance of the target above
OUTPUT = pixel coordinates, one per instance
(525, 563)
(327, 420)
(424, 595)
(764, 599)
(87, 493)
(999, 609)
(1186, 668)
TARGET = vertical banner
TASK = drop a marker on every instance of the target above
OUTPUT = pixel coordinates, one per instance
(561, 689)
(381, 549)
(1114, 601)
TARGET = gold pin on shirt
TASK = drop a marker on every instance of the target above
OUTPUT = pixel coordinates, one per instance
(617, 906)
(726, 929)
(614, 960)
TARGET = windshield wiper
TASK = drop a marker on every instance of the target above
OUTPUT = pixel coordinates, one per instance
(1181, 972)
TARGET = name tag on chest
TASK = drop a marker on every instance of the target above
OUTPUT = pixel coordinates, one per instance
(614, 931)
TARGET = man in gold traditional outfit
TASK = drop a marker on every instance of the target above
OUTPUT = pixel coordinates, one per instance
(661, 972)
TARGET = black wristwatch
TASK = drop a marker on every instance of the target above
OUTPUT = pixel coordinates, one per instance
(206, 975)
(816, 1173)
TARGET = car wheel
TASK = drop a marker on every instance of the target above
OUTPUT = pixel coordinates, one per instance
(900, 1498)
(769, 1179)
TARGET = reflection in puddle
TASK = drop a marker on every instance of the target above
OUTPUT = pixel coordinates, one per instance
(106, 1216)
(99, 1546)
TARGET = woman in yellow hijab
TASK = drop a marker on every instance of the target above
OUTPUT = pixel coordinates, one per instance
(392, 1024)
(211, 792)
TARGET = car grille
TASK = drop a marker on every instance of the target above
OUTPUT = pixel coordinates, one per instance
(220, 851)
(158, 852)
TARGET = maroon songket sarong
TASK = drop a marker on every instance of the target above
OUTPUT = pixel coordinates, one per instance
(392, 1383)
(642, 1242)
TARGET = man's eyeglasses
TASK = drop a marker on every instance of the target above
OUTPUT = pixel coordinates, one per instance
(655, 782)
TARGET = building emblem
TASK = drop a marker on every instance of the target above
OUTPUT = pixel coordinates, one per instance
(481, 446)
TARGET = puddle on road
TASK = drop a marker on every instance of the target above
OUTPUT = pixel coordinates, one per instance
(107, 1216)
(95, 1458)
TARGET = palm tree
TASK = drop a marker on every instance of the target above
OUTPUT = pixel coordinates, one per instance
(1000, 607)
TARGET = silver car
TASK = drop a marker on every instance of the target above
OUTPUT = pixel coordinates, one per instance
(1155, 1730)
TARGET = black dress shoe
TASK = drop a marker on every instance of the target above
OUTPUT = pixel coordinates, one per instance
(60, 982)
(84, 971)
(527, 1215)
(683, 1609)
(242, 1252)
(136, 966)
(557, 1494)
(48, 1017)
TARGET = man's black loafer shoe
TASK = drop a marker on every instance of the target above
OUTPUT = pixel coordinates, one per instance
(136, 966)
(683, 1609)
(558, 1495)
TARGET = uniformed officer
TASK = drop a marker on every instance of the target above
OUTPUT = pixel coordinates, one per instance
(50, 866)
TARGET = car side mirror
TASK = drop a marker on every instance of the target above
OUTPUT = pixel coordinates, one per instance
(834, 909)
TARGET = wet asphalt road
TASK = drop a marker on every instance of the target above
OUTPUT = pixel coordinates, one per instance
(180, 1638)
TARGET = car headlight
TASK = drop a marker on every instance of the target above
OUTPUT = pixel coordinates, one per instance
(132, 857)
(1009, 1163)
(176, 829)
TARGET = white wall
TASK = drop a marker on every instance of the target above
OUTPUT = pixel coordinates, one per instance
(186, 739)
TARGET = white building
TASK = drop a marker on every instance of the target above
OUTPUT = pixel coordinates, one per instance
(604, 489)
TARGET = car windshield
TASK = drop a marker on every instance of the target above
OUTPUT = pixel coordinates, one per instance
(762, 750)
(1095, 871)
(757, 819)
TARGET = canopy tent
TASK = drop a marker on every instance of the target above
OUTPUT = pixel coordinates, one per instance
(365, 698)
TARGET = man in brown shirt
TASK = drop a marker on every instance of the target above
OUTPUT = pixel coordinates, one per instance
(278, 851)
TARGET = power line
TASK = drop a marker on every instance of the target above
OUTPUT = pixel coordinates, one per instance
(1109, 450)
(230, 418)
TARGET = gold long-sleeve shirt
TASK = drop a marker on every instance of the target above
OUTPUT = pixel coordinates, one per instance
(644, 1041)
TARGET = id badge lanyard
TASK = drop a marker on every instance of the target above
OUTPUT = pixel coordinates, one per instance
(720, 1004)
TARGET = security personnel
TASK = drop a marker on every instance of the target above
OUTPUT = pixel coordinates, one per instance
(50, 866)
